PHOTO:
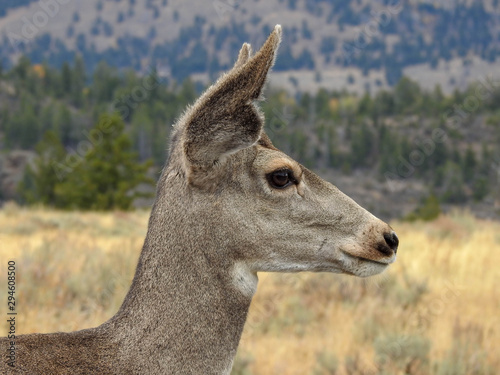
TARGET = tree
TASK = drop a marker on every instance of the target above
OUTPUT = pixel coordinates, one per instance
(469, 165)
(106, 80)
(40, 180)
(105, 177)
(454, 185)
(78, 81)
(481, 189)
(362, 146)
(406, 95)
(66, 78)
(63, 125)
(365, 105)
(428, 210)
(109, 174)
(22, 129)
(22, 68)
(384, 104)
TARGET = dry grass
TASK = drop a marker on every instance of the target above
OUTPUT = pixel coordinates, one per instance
(436, 311)
(73, 269)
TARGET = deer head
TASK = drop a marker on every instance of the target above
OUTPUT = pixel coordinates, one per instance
(229, 204)
(264, 210)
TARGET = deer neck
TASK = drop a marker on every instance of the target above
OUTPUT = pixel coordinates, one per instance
(185, 307)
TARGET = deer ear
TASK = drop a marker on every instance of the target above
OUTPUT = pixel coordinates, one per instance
(245, 53)
(224, 119)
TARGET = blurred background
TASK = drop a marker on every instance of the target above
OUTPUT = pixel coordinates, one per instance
(395, 102)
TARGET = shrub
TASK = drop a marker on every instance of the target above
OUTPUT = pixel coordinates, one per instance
(396, 354)
(427, 211)
(327, 364)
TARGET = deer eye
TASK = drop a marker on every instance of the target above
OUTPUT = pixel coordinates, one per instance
(281, 178)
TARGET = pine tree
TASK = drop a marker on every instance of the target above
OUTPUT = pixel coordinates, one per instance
(105, 177)
(66, 78)
(109, 174)
(406, 95)
(453, 184)
(21, 69)
(78, 79)
(22, 130)
(40, 180)
(428, 210)
(63, 125)
(365, 105)
(469, 165)
(362, 146)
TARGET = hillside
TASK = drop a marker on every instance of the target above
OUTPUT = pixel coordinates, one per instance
(391, 151)
(356, 44)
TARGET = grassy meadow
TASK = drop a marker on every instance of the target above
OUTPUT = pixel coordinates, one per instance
(435, 311)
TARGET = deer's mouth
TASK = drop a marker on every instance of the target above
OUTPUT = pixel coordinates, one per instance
(383, 262)
(364, 267)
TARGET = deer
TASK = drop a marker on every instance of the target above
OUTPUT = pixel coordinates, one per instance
(228, 206)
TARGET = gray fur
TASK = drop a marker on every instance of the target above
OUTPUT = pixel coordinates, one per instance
(215, 223)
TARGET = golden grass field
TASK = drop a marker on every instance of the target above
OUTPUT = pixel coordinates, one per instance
(435, 311)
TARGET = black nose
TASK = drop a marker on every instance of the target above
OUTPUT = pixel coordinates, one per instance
(392, 241)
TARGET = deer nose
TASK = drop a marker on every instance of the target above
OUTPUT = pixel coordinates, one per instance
(392, 241)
